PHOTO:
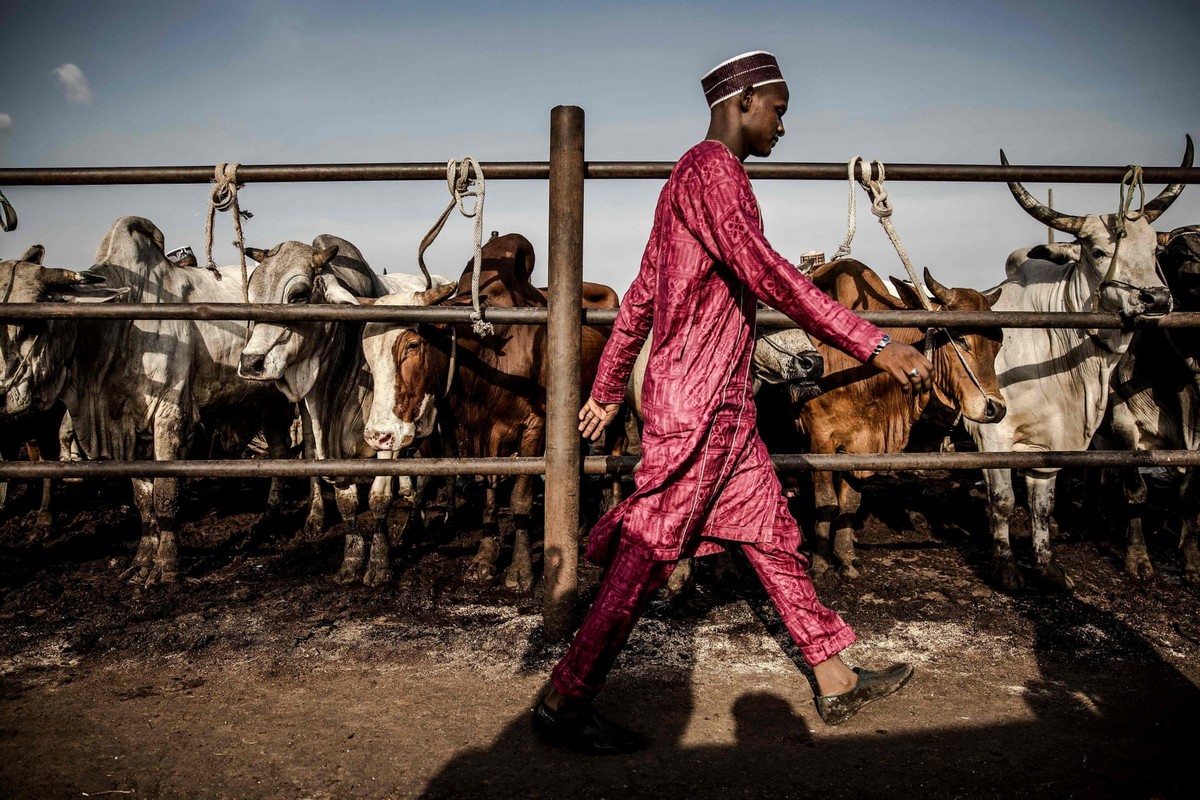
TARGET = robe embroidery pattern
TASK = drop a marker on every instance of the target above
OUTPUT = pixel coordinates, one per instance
(705, 475)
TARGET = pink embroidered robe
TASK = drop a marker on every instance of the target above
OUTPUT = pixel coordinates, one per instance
(705, 474)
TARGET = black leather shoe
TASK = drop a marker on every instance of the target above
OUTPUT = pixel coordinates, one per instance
(581, 729)
(837, 708)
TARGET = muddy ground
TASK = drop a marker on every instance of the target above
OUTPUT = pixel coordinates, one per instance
(259, 677)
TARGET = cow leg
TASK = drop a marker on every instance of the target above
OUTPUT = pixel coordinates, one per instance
(682, 580)
(1001, 502)
(355, 552)
(1189, 551)
(315, 523)
(278, 439)
(1041, 506)
(843, 541)
(143, 499)
(1133, 490)
(826, 500)
(166, 510)
(44, 518)
(379, 565)
(519, 575)
(483, 566)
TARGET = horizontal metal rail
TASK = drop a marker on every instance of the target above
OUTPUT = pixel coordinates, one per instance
(593, 465)
(275, 312)
(540, 170)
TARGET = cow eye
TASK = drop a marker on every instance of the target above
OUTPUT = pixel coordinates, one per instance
(961, 341)
(413, 346)
(1098, 253)
(299, 296)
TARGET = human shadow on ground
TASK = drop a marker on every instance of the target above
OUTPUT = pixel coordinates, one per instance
(1102, 726)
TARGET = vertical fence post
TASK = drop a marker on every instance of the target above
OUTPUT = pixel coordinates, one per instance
(564, 337)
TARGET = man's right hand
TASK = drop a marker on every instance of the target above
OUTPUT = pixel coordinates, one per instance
(594, 417)
(906, 364)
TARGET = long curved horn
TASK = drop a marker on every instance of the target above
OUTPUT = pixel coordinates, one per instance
(1043, 214)
(34, 255)
(68, 277)
(431, 297)
(939, 292)
(1158, 205)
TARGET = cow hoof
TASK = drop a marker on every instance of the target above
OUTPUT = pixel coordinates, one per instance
(819, 567)
(44, 521)
(1139, 567)
(377, 576)
(313, 528)
(346, 575)
(160, 577)
(1191, 577)
(481, 572)
(135, 575)
(849, 570)
(1055, 579)
(1008, 577)
(518, 579)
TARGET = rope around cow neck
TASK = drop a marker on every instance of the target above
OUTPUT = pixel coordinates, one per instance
(462, 185)
(224, 197)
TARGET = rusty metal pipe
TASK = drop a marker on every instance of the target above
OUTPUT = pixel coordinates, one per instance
(593, 465)
(564, 338)
(540, 170)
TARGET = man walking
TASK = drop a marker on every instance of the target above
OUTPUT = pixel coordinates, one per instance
(705, 481)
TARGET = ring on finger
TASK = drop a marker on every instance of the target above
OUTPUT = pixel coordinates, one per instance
(914, 372)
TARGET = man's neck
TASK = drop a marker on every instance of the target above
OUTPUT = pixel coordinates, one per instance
(728, 137)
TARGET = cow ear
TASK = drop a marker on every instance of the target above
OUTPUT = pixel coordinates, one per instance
(34, 255)
(321, 258)
(992, 295)
(326, 289)
(255, 253)
(1163, 240)
(908, 293)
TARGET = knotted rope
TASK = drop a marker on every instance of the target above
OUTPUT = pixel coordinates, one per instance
(851, 208)
(224, 197)
(462, 185)
(8, 215)
(1132, 180)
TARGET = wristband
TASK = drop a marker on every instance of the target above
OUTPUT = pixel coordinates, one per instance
(884, 342)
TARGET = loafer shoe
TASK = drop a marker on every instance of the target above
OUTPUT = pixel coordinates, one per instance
(837, 708)
(583, 730)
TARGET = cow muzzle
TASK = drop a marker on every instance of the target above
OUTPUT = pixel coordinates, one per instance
(392, 438)
(253, 366)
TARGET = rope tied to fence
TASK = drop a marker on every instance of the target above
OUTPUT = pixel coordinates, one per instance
(464, 179)
(8, 215)
(882, 208)
(843, 249)
(224, 197)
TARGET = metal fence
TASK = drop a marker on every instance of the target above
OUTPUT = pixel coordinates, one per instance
(566, 171)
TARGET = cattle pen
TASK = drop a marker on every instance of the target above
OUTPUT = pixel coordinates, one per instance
(566, 171)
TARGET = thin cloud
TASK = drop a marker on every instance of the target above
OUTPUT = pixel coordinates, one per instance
(5, 122)
(74, 83)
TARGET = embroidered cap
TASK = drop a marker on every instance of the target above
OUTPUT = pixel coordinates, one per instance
(728, 78)
(182, 257)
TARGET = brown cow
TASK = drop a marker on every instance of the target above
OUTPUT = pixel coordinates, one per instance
(862, 410)
(494, 403)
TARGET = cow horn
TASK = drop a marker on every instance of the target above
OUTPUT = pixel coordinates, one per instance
(68, 277)
(321, 258)
(1158, 205)
(431, 297)
(939, 292)
(34, 254)
(255, 253)
(1044, 214)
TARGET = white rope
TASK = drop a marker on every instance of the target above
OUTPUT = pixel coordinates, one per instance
(462, 185)
(851, 209)
(881, 207)
(224, 197)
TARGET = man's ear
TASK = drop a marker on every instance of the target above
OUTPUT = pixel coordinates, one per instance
(747, 98)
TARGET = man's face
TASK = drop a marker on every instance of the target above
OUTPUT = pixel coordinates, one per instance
(763, 122)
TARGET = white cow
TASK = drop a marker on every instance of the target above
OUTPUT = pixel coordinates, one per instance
(320, 365)
(136, 388)
(1055, 382)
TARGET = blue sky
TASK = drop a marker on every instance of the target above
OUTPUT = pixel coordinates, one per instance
(317, 82)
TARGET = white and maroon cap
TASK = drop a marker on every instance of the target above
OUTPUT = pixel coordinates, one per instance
(728, 78)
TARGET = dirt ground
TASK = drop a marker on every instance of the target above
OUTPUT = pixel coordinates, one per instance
(259, 677)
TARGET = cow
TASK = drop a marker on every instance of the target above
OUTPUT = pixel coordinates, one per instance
(862, 410)
(136, 388)
(1155, 405)
(1055, 382)
(320, 366)
(489, 391)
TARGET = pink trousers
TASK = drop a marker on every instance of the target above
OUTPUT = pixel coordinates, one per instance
(633, 578)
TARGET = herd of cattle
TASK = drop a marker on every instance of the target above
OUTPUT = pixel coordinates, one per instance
(136, 389)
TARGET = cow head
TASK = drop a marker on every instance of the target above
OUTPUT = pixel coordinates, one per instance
(409, 366)
(290, 273)
(1179, 256)
(34, 354)
(787, 356)
(1124, 277)
(962, 356)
